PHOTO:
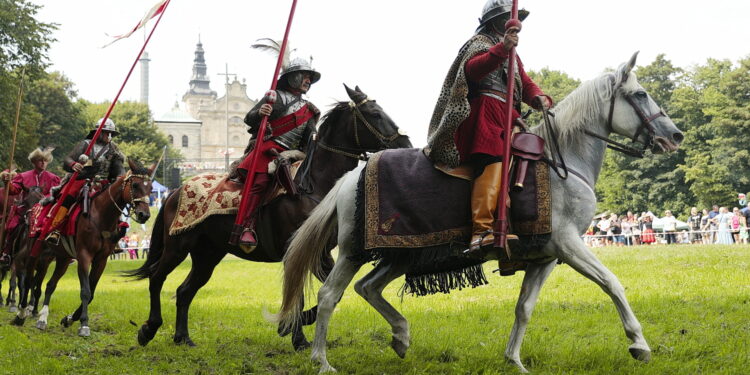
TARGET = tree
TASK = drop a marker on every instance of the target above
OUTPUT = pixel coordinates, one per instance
(139, 138)
(24, 42)
(62, 124)
(555, 84)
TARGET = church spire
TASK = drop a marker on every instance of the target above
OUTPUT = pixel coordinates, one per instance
(200, 83)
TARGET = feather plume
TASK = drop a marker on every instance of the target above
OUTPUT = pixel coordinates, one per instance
(273, 47)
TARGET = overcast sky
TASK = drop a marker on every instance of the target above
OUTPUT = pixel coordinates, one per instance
(398, 52)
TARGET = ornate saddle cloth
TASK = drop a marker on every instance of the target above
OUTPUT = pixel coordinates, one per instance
(38, 216)
(403, 202)
(214, 194)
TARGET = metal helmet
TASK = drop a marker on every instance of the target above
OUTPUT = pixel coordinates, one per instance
(298, 65)
(496, 8)
(109, 126)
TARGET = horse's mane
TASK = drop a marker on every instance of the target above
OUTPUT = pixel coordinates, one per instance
(333, 114)
(583, 105)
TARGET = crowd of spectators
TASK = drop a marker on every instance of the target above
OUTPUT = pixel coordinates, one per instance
(131, 245)
(715, 226)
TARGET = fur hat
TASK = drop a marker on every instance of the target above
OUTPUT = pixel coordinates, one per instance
(40, 153)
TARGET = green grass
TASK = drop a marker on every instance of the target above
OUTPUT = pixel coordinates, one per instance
(693, 303)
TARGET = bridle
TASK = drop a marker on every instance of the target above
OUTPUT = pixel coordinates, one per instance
(360, 153)
(125, 184)
(646, 124)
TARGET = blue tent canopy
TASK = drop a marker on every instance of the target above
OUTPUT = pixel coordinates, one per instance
(157, 187)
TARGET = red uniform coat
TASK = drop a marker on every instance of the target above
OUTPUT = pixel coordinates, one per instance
(45, 179)
(482, 132)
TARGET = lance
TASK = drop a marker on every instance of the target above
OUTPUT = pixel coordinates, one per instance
(46, 229)
(163, 152)
(501, 224)
(6, 198)
(253, 158)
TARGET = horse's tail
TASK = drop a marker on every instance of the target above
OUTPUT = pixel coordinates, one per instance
(156, 248)
(303, 257)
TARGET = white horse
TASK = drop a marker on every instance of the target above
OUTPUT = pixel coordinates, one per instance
(611, 103)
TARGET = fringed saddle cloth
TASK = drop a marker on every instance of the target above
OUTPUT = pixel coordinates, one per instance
(214, 194)
(411, 211)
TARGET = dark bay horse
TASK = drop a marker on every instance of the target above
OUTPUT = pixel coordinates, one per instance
(345, 134)
(612, 103)
(95, 238)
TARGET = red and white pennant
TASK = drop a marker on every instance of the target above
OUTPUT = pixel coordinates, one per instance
(153, 12)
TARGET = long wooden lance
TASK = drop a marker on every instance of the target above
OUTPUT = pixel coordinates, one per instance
(501, 224)
(6, 198)
(259, 139)
(46, 229)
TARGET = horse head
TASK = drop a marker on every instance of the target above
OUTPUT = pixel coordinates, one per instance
(634, 114)
(371, 129)
(136, 189)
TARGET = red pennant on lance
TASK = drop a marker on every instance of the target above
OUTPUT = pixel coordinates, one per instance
(153, 12)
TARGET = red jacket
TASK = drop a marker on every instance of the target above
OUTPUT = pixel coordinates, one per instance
(481, 132)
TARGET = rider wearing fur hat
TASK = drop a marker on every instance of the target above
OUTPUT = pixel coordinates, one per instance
(19, 184)
(468, 122)
(101, 167)
(291, 121)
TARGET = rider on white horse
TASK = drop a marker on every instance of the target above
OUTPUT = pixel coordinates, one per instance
(470, 115)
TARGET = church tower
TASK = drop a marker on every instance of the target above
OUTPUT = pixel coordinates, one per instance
(200, 94)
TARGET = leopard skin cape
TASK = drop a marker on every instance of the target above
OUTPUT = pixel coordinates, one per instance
(452, 106)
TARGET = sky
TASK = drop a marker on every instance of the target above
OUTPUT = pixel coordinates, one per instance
(398, 52)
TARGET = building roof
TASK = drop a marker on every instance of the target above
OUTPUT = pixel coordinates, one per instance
(177, 115)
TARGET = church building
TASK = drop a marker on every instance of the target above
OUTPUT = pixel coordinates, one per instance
(211, 126)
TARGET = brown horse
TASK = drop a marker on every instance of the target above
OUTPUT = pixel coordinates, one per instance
(97, 233)
(347, 132)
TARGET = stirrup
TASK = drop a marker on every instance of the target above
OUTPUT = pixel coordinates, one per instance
(53, 238)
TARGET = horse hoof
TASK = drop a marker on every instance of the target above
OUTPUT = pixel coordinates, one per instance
(84, 331)
(143, 337)
(13, 309)
(41, 325)
(184, 340)
(300, 346)
(399, 347)
(18, 321)
(66, 321)
(641, 354)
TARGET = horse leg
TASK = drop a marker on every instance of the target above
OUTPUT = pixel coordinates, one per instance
(202, 268)
(84, 268)
(61, 265)
(586, 263)
(38, 281)
(23, 289)
(371, 288)
(11, 301)
(168, 262)
(536, 275)
(328, 296)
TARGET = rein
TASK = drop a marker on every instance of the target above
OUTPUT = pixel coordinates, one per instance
(645, 124)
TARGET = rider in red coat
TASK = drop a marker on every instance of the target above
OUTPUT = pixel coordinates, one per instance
(468, 123)
(291, 121)
(21, 183)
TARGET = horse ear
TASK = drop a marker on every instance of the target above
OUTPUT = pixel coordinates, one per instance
(132, 164)
(355, 95)
(350, 92)
(627, 67)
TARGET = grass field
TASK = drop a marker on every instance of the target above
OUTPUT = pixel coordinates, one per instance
(693, 303)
